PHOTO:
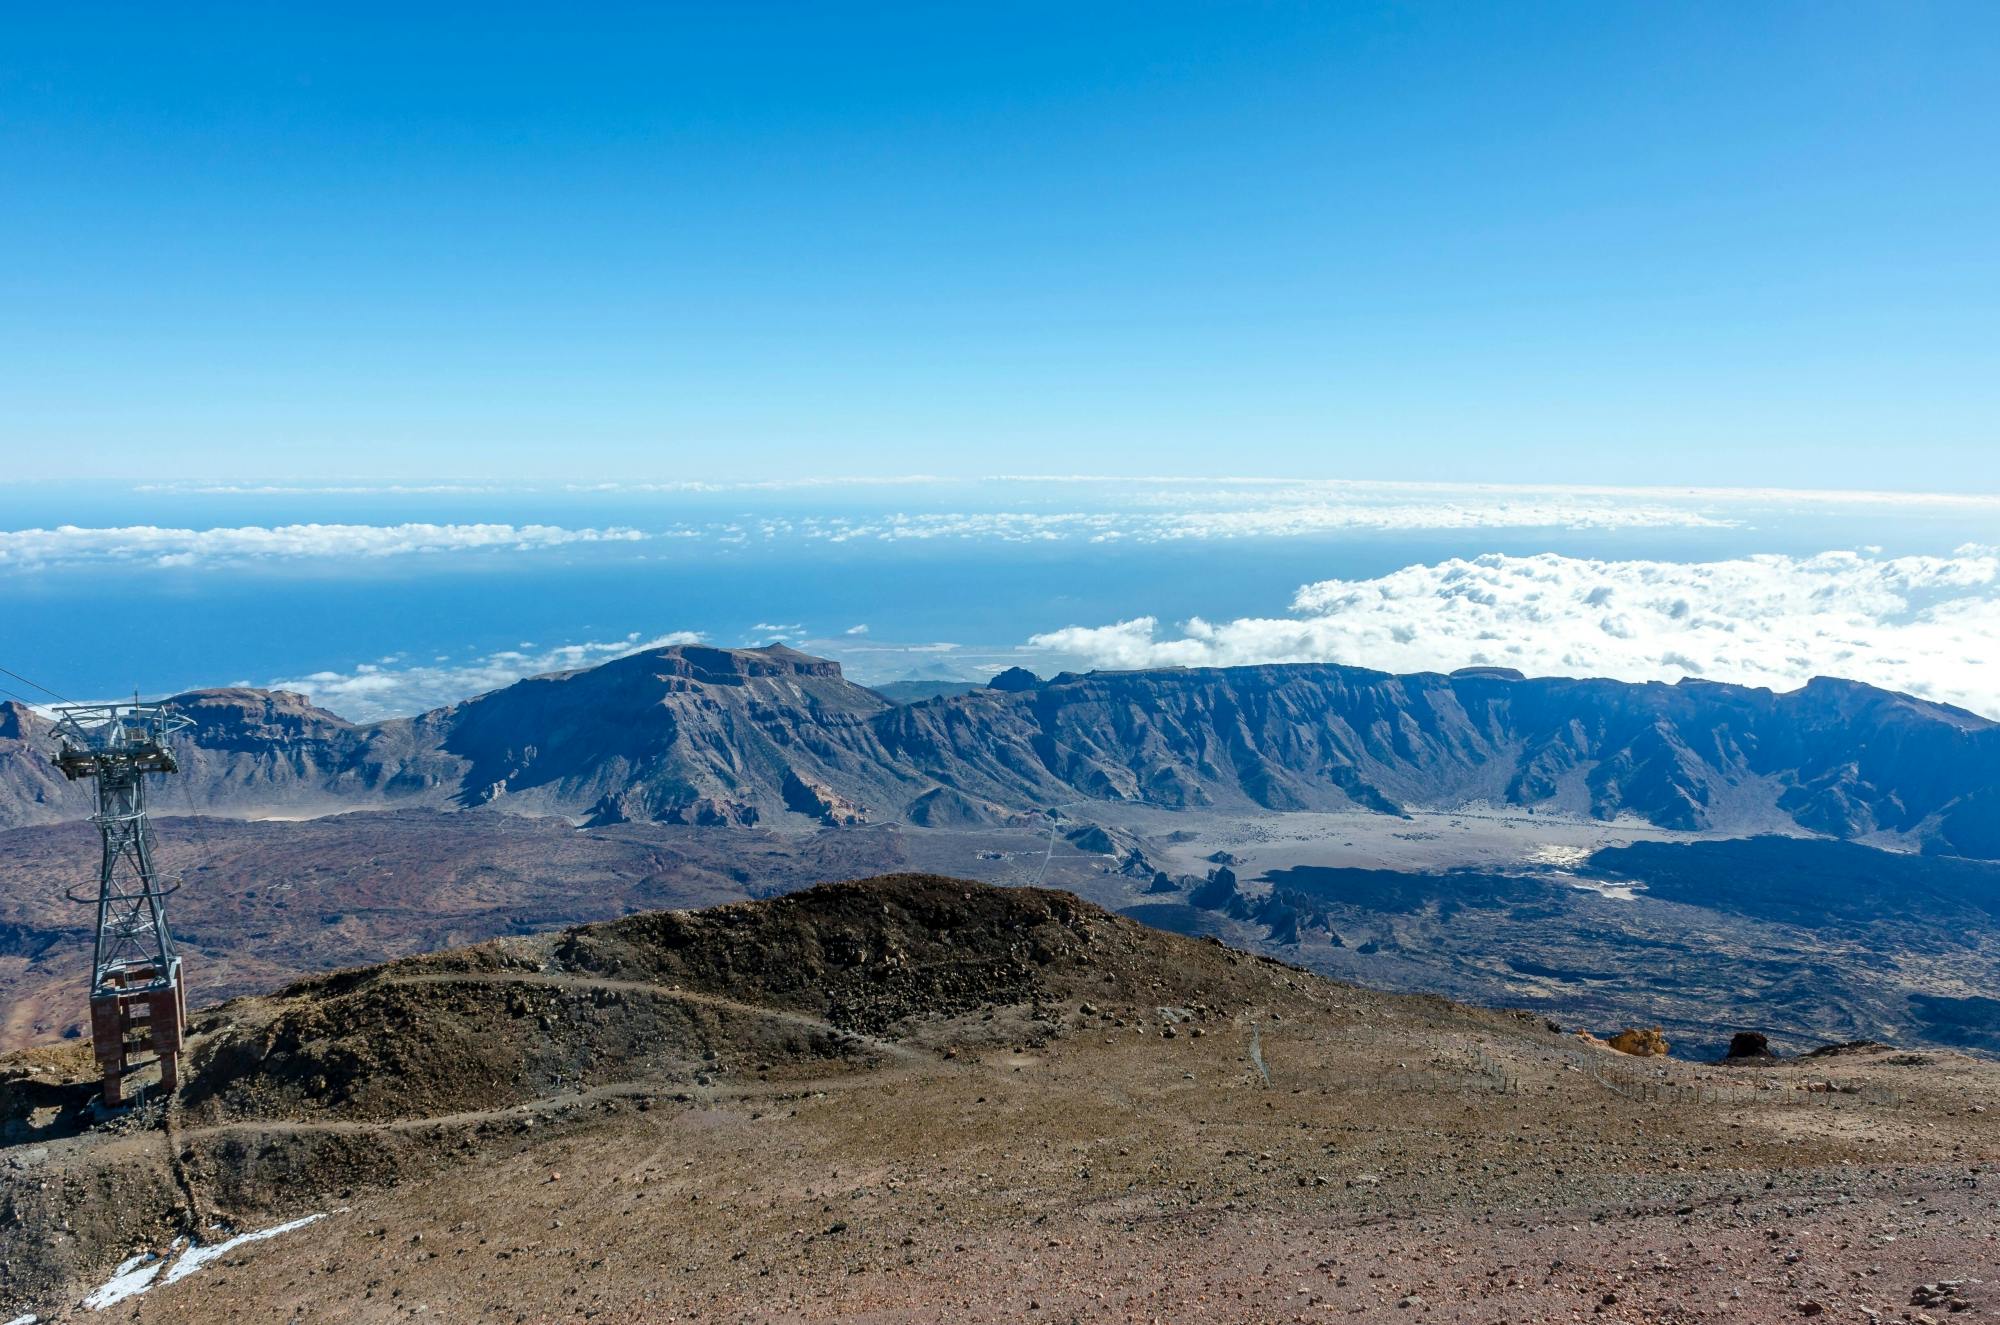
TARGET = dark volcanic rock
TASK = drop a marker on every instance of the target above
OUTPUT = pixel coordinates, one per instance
(1814, 884)
(1749, 1044)
(1217, 892)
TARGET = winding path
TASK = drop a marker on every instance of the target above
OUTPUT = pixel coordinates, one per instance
(904, 1055)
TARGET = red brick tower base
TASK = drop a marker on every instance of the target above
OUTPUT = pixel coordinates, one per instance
(128, 1025)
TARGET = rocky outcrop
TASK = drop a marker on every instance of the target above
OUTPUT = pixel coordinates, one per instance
(1217, 892)
(1649, 1043)
(821, 802)
(1285, 914)
(1091, 838)
(1749, 1046)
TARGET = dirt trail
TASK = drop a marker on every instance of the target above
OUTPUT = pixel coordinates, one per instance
(908, 1061)
(570, 1100)
(564, 980)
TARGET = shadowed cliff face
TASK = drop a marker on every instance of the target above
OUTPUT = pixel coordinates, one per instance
(701, 735)
(1835, 757)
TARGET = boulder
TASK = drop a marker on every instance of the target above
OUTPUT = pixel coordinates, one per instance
(1640, 1043)
(1749, 1044)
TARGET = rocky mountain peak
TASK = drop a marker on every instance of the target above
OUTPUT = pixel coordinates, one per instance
(248, 706)
(1014, 680)
(717, 666)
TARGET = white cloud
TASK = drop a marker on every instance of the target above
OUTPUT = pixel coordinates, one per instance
(1170, 513)
(856, 630)
(1544, 512)
(373, 691)
(1928, 625)
(1047, 509)
(151, 545)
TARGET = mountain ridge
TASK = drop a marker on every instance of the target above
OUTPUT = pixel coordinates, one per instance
(703, 735)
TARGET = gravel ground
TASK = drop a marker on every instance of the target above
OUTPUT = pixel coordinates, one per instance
(1063, 1157)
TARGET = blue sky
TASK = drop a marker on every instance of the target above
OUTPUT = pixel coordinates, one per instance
(1595, 242)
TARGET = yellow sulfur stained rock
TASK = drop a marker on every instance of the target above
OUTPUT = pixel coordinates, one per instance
(1640, 1043)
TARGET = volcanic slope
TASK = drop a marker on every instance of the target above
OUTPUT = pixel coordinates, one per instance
(915, 1098)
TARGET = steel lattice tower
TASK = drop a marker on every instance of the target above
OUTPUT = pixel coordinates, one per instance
(137, 1004)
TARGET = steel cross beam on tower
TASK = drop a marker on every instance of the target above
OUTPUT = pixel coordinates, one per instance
(137, 1004)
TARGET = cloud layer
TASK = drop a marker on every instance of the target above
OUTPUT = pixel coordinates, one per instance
(1251, 520)
(1926, 625)
(68, 545)
(393, 687)
(1141, 512)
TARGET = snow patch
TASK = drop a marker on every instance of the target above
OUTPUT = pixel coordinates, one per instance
(194, 1258)
(132, 1278)
(142, 1272)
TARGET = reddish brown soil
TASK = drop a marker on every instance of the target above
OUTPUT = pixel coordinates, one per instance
(898, 1119)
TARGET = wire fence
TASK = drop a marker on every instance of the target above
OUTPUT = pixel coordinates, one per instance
(1672, 1085)
(1470, 1069)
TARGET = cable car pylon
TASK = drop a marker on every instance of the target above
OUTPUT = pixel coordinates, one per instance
(138, 1003)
